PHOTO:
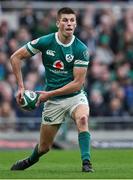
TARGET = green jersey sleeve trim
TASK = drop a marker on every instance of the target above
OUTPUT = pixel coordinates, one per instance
(81, 63)
(28, 50)
(31, 49)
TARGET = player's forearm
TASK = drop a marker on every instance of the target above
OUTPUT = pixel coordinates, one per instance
(67, 89)
(16, 66)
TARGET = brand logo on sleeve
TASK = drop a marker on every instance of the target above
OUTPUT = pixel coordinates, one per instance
(35, 41)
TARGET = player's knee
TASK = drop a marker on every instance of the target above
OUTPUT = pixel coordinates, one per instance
(83, 121)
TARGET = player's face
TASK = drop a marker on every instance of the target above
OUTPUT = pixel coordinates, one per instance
(67, 24)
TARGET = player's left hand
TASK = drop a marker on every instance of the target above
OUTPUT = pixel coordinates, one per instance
(43, 97)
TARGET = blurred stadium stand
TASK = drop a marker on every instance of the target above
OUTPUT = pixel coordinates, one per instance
(107, 30)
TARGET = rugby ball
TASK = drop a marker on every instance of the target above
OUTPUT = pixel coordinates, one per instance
(29, 100)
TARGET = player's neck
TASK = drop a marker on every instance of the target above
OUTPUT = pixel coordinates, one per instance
(64, 39)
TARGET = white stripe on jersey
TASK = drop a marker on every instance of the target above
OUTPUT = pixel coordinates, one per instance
(33, 50)
(80, 62)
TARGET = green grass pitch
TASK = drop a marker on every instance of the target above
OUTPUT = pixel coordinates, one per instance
(66, 164)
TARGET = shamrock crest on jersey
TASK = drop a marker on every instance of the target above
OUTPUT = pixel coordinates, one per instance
(69, 57)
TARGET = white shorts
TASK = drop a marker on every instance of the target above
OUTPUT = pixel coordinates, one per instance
(55, 111)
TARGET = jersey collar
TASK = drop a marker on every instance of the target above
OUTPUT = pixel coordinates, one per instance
(60, 43)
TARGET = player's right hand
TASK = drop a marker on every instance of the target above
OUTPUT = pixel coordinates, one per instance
(43, 97)
(19, 95)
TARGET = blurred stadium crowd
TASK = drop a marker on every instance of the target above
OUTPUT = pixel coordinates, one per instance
(107, 32)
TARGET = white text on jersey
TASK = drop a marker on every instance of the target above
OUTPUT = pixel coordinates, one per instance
(50, 52)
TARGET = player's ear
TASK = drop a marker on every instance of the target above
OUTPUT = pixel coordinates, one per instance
(75, 23)
(57, 24)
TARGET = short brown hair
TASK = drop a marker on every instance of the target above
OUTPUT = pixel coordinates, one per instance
(65, 10)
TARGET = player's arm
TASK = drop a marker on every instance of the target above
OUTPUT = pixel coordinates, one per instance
(75, 85)
(16, 60)
(79, 74)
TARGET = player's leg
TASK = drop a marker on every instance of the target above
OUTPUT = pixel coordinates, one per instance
(47, 134)
(80, 115)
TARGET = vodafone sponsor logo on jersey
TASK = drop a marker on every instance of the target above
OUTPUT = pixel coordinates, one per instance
(58, 65)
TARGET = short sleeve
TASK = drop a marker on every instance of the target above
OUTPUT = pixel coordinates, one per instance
(34, 46)
(83, 59)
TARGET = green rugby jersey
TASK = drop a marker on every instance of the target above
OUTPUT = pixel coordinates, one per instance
(59, 59)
